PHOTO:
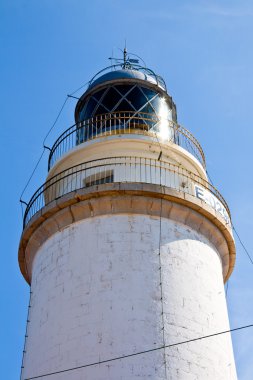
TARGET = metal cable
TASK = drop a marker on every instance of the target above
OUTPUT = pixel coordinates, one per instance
(26, 335)
(48, 133)
(29, 180)
(140, 352)
(57, 117)
(227, 289)
(245, 249)
(160, 271)
(210, 179)
(79, 88)
(237, 234)
(44, 148)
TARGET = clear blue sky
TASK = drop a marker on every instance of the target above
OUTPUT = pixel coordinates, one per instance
(204, 51)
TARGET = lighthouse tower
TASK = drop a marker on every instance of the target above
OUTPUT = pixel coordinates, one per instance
(127, 246)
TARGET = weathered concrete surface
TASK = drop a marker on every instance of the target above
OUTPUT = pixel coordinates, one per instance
(106, 286)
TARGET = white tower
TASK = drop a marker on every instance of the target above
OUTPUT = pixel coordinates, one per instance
(127, 245)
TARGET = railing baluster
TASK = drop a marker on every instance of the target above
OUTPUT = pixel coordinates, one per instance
(129, 169)
(92, 128)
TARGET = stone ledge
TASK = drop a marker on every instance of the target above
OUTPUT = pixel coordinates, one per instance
(120, 198)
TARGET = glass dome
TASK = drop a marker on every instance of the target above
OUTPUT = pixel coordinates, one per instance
(124, 98)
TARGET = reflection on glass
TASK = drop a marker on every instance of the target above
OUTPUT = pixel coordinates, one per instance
(165, 114)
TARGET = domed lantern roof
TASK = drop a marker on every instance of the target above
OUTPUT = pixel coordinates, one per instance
(130, 73)
(124, 87)
(124, 93)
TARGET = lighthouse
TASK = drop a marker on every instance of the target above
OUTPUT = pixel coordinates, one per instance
(127, 245)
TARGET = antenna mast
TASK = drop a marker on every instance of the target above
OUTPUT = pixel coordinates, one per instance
(125, 57)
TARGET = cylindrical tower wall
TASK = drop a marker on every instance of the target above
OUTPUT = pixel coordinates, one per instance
(115, 285)
(126, 245)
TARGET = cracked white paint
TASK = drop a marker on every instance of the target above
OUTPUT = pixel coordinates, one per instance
(96, 295)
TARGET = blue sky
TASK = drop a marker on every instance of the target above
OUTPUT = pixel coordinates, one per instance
(203, 49)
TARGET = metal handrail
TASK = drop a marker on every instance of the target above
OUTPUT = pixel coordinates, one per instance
(122, 123)
(119, 169)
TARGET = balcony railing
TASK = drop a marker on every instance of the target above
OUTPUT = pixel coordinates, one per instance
(126, 170)
(125, 123)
